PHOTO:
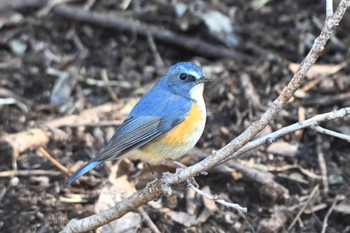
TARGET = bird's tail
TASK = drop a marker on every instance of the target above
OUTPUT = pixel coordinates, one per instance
(84, 169)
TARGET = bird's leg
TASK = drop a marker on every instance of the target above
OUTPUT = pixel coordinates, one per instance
(204, 173)
(151, 170)
(182, 166)
(177, 163)
(142, 170)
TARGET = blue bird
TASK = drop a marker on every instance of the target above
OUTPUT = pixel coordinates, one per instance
(166, 123)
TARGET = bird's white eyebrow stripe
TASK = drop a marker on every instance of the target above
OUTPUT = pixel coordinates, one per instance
(195, 74)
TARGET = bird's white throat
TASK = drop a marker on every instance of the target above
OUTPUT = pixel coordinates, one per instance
(196, 94)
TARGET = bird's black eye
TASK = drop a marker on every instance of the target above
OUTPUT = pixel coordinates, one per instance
(183, 76)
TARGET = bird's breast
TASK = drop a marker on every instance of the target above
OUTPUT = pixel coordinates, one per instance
(190, 127)
(180, 139)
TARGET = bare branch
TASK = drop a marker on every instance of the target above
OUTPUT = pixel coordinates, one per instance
(323, 164)
(329, 212)
(270, 138)
(163, 186)
(218, 199)
(29, 173)
(148, 220)
(307, 203)
(330, 132)
(21, 5)
(329, 8)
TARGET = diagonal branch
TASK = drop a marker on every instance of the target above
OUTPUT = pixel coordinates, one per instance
(163, 186)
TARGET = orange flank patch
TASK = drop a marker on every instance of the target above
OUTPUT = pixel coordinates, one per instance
(176, 142)
(179, 134)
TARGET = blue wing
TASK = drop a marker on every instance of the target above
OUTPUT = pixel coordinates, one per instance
(152, 117)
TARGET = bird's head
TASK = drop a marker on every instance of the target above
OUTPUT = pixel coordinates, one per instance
(186, 79)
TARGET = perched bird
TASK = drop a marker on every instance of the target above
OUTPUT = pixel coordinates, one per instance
(166, 123)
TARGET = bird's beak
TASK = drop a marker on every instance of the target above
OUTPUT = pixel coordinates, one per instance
(203, 80)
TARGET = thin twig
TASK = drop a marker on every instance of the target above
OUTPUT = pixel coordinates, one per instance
(322, 164)
(78, 43)
(329, 212)
(148, 220)
(330, 132)
(270, 138)
(21, 5)
(110, 91)
(311, 196)
(329, 8)
(218, 199)
(56, 163)
(159, 63)
(29, 173)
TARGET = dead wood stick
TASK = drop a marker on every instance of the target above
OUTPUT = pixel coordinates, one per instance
(14, 144)
(56, 163)
(21, 4)
(269, 187)
(148, 220)
(29, 173)
(116, 22)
